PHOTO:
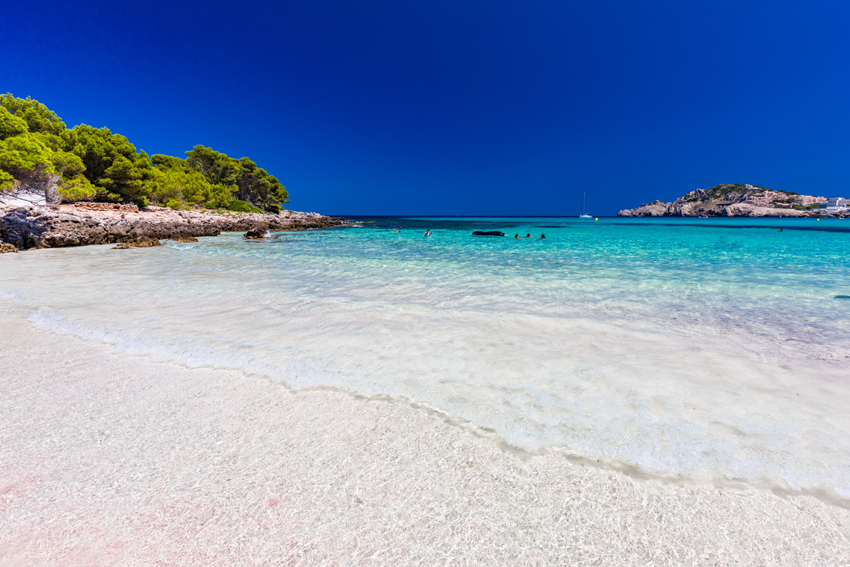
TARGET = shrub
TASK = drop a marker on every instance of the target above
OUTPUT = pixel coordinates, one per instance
(241, 207)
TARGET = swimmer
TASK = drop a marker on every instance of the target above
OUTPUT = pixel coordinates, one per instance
(397, 230)
(528, 235)
(542, 237)
(428, 232)
(516, 236)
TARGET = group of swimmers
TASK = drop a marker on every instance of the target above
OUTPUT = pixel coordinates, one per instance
(516, 236)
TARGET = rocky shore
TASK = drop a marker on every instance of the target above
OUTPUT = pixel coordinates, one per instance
(28, 227)
(726, 200)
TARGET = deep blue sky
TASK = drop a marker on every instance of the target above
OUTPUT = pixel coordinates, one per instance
(459, 107)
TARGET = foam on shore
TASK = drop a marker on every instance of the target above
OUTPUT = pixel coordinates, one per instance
(109, 459)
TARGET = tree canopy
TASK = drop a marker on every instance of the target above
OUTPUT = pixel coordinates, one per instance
(38, 153)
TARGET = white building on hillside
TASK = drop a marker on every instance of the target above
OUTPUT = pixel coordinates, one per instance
(836, 204)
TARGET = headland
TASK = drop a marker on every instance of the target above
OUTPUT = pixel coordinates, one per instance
(740, 200)
(31, 226)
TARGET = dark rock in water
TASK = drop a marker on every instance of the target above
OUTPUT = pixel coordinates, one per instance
(488, 233)
(842, 297)
(6, 247)
(256, 232)
(186, 239)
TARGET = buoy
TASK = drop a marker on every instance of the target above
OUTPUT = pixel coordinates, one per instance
(596, 219)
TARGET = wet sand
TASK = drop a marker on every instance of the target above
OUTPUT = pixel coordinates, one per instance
(107, 459)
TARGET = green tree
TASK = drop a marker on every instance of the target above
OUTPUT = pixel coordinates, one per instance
(38, 153)
(38, 117)
(248, 182)
(11, 125)
(178, 183)
(256, 186)
(216, 167)
(112, 164)
(24, 159)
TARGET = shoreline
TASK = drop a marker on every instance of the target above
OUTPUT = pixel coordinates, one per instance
(129, 461)
(33, 227)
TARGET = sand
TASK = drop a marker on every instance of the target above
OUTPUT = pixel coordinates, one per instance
(107, 459)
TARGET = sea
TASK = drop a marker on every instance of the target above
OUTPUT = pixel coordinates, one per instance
(679, 349)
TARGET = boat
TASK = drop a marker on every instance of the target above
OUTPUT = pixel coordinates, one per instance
(582, 214)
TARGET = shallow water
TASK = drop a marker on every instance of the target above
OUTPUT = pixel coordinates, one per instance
(709, 350)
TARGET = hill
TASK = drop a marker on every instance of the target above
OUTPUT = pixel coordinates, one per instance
(732, 200)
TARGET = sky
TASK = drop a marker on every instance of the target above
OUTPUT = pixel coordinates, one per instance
(459, 107)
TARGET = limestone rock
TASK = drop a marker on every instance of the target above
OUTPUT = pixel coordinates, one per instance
(748, 210)
(28, 226)
(5, 248)
(143, 242)
(727, 199)
(256, 232)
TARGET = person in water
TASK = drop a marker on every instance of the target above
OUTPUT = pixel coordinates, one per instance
(428, 232)
(542, 236)
(528, 235)
(516, 236)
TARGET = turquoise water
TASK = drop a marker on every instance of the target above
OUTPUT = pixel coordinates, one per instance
(695, 349)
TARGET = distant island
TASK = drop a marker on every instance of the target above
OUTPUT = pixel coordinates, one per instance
(743, 200)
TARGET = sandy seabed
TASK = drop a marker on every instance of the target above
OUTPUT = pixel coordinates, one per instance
(108, 459)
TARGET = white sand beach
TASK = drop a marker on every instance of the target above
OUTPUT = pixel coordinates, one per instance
(109, 459)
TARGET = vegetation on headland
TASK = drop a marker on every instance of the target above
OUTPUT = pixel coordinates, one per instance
(38, 153)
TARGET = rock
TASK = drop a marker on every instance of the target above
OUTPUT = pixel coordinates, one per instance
(748, 210)
(186, 239)
(107, 207)
(256, 232)
(5, 248)
(27, 227)
(726, 199)
(143, 242)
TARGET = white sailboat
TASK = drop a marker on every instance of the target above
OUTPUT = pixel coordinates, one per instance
(582, 214)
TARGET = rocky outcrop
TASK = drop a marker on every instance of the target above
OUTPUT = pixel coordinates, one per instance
(107, 207)
(5, 248)
(143, 242)
(725, 200)
(67, 225)
(256, 232)
(748, 210)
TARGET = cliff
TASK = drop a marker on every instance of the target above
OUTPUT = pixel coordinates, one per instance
(25, 227)
(730, 200)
